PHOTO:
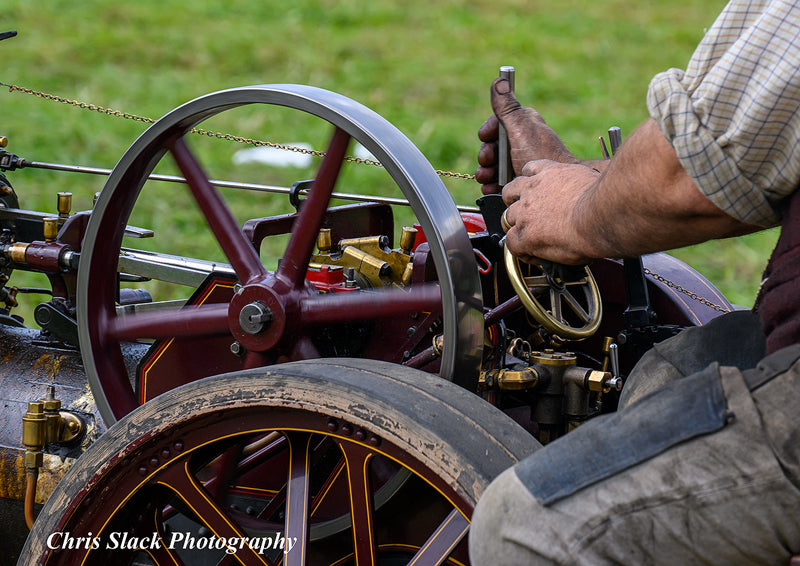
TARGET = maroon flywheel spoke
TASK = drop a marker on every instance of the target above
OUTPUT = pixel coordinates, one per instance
(204, 320)
(180, 480)
(297, 497)
(357, 460)
(343, 307)
(442, 542)
(241, 253)
(256, 359)
(294, 262)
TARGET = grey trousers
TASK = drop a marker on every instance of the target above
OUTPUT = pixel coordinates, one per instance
(705, 469)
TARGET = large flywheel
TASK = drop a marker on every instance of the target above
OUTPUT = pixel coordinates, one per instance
(269, 313)
(254, 467)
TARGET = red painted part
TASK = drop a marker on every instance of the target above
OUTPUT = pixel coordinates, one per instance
(44, 256)
(328, 280)
(473, 222)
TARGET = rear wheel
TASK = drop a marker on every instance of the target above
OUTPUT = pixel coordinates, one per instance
(350, 461)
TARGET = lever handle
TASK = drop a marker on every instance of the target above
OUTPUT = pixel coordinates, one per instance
(505, 170)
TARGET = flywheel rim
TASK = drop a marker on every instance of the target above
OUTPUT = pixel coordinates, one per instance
(449, 243)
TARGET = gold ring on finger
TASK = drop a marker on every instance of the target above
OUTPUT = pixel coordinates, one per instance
(504, 221)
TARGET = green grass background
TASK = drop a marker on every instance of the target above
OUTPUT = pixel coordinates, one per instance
(423, 65)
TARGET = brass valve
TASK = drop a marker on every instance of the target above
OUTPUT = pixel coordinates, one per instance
(46, 423)
(34, 431)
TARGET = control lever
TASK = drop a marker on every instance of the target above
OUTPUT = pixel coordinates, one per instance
(505, 169)
(492, 206)
(615, 383)
(8, 34)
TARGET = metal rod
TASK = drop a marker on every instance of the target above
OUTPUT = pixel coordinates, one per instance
(615, 138)
(505, 169)
(232, 185)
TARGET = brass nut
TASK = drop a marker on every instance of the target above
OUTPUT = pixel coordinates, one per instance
(597, 381)
(33, 459)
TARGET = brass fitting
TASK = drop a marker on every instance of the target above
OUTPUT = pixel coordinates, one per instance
(46, 423)
(438, 344)
(599, 381)
(34, 434)
(3, 141)
(324, 243)
(64, 205)
(408, 272)
(367, 265)
(50, 228)
(509, 379)
(407, 238)
(17, 252)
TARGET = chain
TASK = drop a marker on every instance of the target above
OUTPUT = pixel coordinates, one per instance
(690, 294)
(255, 142)
(200, 131)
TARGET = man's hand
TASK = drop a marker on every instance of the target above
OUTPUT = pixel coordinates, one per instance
(528, 135)
(541, 211)
(643, 202)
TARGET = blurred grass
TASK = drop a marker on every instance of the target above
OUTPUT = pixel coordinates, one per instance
(423, 65)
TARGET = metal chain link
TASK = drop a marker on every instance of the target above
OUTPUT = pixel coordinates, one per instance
(690, 294)
(255, 142)
(200, 131)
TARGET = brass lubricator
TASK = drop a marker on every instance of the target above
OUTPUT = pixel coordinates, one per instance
(370, 257)
(44, 423)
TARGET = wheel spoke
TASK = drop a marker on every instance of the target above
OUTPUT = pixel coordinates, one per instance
(202, 320)
(241, 253)
(536, 281)
(254, 359)
(357, 461)
(161, 554)
(555, 304)
(343, 307)
(442, 542)
(294, 262)
(297, 502)
(180, 480)
(576, 307)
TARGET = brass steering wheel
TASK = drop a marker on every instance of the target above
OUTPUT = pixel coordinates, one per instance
(582, 317)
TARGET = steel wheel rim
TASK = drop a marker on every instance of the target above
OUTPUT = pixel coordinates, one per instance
(450, 247)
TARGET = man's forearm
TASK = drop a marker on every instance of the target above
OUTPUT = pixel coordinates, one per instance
(646, 202)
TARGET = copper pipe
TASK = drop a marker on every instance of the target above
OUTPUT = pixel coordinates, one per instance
(30, 495)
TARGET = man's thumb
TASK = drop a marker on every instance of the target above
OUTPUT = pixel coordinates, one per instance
(503, 100)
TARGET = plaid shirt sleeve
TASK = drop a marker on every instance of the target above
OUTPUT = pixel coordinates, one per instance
(733, 117)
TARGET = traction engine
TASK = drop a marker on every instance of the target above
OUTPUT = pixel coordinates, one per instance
(336, 388)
